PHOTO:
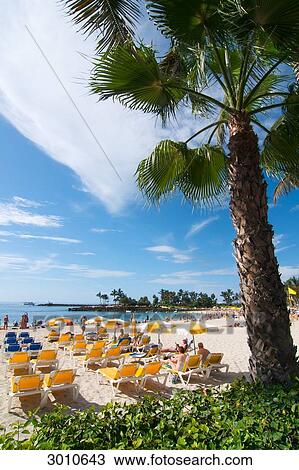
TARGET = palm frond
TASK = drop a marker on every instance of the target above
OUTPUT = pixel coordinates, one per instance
(113, 21)
(272, 21)
(134, 77)
(284, 187)
(281, 151)
(200, 174)
(188, 21)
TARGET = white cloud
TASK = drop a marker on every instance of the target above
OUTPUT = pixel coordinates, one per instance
(161, 249)
(34, 102)
(39, 237)
(277, 239)
(105, 230)
(46, 237)
(22, 202)
(85, 253)
(43, 265)
(15, 213)
(283, 248)
(288, 271)
(200, 226)
(174, 255)
(295, 208)
(191, 277)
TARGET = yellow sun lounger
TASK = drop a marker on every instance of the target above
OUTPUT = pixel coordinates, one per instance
(64, 340)
(151, 370)
(213, 362)
(191, 366)
(78, 337)
(117, 375)
(60, 380)
(25, 385)
(53, 336)
(77, 348)
(18, 360)
(92, 356)
(111, 355)
(98, 344)
(46, 358)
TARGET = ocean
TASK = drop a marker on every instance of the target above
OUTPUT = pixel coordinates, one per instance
(16, 310)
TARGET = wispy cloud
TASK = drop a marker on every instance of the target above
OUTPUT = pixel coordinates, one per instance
(22, 264)
(27, 236)
(196, 228)
(284, 248)
(173, 254)
(85, 253)
(16, 212)
(295, 208)
(105, 230)
(289, 271)
(191, 277)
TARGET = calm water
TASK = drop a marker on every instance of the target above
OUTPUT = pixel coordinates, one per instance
(16, 310)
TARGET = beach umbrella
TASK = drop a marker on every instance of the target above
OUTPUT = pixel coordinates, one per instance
(95, 320)
(57, 320)
(196, 328)
(113, 324)
(158, 327)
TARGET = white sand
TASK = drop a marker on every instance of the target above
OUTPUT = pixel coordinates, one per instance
(231, 341)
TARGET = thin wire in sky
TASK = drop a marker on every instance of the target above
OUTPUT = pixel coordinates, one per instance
(73, 102)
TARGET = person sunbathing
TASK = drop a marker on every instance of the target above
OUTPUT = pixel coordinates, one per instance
(184, 345)
(203, 352)
(177, 362)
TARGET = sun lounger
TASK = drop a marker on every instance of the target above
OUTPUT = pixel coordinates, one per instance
(60, 380)
(46, 358)
(64, 340)
(117, 375)
(25, 385)
(100, 344)
(53, 336)
(18, 360)
(111, 355)
(191, 366)
(92, 356)
(77, 348)
(151, 370)
(213, 362)
(147, 355)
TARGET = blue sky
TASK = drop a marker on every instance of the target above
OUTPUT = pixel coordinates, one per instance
(68, 226)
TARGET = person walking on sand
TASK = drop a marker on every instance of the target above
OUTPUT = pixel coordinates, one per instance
(83, 321)
(5, 322)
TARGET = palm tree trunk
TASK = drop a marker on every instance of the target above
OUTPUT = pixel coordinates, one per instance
(273, 355)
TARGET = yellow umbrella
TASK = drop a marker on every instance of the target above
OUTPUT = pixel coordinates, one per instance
(94, 320)
(157, 327)
(54, 321)
(196, 329)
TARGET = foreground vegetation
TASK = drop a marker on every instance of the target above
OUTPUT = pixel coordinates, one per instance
(245, 416)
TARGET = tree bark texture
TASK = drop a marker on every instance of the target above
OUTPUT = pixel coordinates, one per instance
(273, 354)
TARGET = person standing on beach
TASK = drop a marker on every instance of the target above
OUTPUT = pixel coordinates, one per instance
(5, 322)
(83, 321)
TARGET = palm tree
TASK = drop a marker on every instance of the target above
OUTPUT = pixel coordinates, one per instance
(99, 295)
(114, 294)
(216, 67)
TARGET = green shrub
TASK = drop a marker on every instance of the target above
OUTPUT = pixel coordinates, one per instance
(245, 416)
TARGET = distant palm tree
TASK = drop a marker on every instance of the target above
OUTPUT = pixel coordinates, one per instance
(238, 46)
(99, 295)
(114, 295)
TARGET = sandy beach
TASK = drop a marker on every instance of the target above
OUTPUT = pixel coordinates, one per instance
(232, 341)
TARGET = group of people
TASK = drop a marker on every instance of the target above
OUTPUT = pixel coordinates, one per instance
(177, 361)
(23, 323)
